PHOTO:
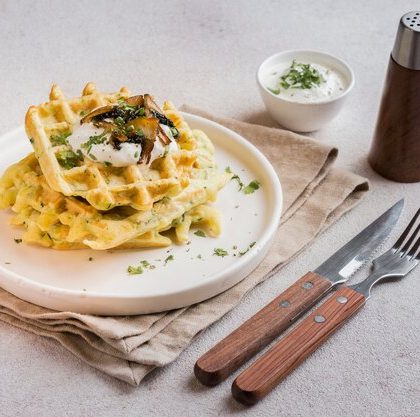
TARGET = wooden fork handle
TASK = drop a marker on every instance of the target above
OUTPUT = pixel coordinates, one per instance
(263, 375)
(244, 342)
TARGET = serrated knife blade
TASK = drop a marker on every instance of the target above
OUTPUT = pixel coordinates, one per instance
(340, 266)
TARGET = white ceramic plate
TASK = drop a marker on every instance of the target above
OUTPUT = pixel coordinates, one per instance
(68, 281)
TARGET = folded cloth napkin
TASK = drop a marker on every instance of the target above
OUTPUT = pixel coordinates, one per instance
(129, 347)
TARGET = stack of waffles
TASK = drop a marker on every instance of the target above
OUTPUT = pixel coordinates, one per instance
(66, 200)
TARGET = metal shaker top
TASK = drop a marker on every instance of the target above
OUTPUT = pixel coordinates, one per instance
(406, 50)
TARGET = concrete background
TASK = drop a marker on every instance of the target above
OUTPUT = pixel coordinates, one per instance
(205, 53)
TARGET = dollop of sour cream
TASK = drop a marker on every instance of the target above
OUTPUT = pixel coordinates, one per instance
(105, 152)
(331, 86)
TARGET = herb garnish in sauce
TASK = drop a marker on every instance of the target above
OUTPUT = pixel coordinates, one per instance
(299, 76)
(200, 233)
(94, 140)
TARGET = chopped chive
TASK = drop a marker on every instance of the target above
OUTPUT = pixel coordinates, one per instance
(220, 252)
(135, 270)
(251, 187)
(247, 250)
(60, 139)
(169, 258)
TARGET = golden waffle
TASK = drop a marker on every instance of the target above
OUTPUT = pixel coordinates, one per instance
(104, 187)
(54, 220)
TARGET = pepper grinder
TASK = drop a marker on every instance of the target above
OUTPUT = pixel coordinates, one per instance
(395, 151)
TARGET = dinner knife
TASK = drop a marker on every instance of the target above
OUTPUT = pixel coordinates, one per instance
(255, 382)
(258, 331)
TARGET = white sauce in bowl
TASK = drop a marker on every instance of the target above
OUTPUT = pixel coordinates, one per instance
(128, 154)
(331, 86)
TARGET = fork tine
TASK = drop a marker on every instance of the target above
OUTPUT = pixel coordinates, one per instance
(414, 249)
(410, 240)
(404, 234)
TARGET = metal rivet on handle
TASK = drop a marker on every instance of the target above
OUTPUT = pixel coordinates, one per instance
(307, 285)
(285, 304)
(342, 300)
(319, 319)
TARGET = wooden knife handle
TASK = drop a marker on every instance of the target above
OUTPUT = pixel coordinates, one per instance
(258, 331)
(287, 354)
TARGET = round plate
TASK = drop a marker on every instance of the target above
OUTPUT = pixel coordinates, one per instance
(97, 282)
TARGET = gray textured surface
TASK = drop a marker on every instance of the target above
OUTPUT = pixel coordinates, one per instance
(205, 54)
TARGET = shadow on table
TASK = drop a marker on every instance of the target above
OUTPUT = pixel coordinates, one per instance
(231, 406)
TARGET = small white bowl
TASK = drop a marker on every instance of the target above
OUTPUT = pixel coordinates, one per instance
(304, 116)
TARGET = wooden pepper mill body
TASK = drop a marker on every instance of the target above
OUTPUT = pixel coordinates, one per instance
(395, 151)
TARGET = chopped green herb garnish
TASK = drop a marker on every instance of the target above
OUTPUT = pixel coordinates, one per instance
(234, 247)
(83, 113)
(136, 154)
(174, 131)
(200, 233)
(275, 91)
(68, 159)
(220, 252)
(119, 121)
(199, 256)
(18, 240)
(235, 177)
(94, 140)
(249, 247)
(299, 76)
(147, 265)
(92, 156)
(251, 187)
(60, 139)
(169, 258)
(108, 164)
(135, 270)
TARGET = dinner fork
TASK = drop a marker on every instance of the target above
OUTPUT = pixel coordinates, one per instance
(264, 374)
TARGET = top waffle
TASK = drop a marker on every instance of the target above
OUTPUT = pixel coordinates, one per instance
(103, 184)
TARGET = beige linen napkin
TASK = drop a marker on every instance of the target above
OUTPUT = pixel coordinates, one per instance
(315, 196)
